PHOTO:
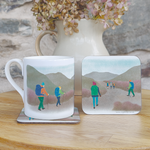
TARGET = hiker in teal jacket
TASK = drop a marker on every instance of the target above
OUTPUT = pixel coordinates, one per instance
(95, 92)
(130, 88)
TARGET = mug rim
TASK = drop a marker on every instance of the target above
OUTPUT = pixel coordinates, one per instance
(53, 58)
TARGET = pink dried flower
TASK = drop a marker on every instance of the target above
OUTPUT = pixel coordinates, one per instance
(120, 5)
(68, 31)
(109, 3)
(90, 6)
(99, 1)
(84, 16)
(103, 1)
(106, 25)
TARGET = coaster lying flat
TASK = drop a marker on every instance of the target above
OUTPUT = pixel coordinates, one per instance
(75, 118)
(111, 85)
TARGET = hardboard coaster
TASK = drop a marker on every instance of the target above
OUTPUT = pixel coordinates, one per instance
(111, 85)
(75, 118)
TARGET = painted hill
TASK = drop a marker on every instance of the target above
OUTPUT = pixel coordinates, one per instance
(72, 78)
(132, 74)
(61, 80)
(88, 82)
(34, 77)
(97, 76)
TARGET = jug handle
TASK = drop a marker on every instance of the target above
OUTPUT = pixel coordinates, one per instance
(38, 39)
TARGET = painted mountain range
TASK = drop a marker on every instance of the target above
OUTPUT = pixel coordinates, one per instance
(131, 74)
(59, 79)
(51, 80)
(100, 76)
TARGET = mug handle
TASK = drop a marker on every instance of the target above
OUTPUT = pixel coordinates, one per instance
(8, 76)
(38, 39)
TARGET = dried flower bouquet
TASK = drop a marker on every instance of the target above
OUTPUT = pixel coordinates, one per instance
(107, 12)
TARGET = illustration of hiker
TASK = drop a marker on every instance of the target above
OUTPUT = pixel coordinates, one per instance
(107, 84)
(111, 85)
(114, 85)
(58, 93)
(40, 92)
(95, 92)
(130, 88)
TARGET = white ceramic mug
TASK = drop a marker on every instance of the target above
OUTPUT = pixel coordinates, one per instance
(48, 86)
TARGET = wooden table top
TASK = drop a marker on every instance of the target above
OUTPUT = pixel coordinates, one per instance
(93, 132)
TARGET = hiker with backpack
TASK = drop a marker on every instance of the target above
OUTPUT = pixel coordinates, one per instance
(111, 85)
(58, 93)
(114, 85)
(40, 92)
(107, 84)
(130, 88)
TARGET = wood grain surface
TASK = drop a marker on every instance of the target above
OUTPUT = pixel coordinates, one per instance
(93, 132)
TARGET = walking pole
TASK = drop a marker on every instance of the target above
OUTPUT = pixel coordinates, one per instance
(127, 90)
(62, 99)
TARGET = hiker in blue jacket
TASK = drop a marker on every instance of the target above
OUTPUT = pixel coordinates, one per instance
(130, 88)
(40, 92)
(107, 84)
(58, 93)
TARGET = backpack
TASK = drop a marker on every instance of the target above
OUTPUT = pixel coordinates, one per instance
(57, 92)
(38, 90)
(132, 85)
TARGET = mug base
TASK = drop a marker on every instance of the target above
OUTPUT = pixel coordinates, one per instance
(75, 118)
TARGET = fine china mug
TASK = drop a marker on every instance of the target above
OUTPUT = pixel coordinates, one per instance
(48, 86)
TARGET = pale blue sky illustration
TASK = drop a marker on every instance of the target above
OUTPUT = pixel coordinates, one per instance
(67, 70)
(112, 64)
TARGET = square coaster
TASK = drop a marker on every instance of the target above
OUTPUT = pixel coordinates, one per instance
(111, 85)
(75, 118)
